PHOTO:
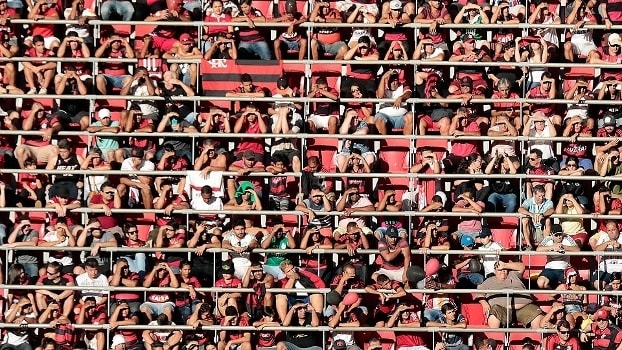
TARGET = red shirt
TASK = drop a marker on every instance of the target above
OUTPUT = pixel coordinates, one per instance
(603, 337)
(554, 343)
(253, 144)
(234, 283)
(537, 94)
(106, 221)
(408, 339)
(163, 219)
(182, 299)
(115, 68)
(45, 30)
(213, 18)
(248, 34)
(396, 263)
(81, 67)
(389, 304)
(464, 148)
(127, 296)
(142, 142)
(233, 335)
(505, 105)
(308, 276)
(257, 181)
(31, 52)
(541, 170)
(72, 218)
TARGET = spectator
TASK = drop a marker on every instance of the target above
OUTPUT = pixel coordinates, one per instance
(54, 276)
(467, 203)
(240, 244)
(395, 115)
(252, 42)
(23, 235)
(186, 303)
(536, 222)
(325, 115)
(277, 238)
(106, 199)
(389, 292)
(122, 276)
(43, 33)
(573, 303)
(609, 241)
(223, 47)
(59, 236)
(93, 236)
(141, 84)
(109, 146)
(405, 316)
(562, 338)
(568, 204)
(259, 281)
(502, 195)
(251, 121)
(188, 72)
(42, 71)
(232, 338)
(313, 239)
(350, 202)
(451, 318)
(394, 254)
(326, 40)
(298, 279)
(293, 39)
(159, 304)
(537, 166)
(63, 203)
(603, 333)
(137, 262)
(508, 275)
(66, 160)
(301, 315)
(487, 243)
(136, 187)
(123, 316)
(227, 280)
(162, 339)
(556, 265)
(209, 159)
(115, 73)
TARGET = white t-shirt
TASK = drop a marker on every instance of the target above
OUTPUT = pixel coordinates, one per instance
(237, 242)
(84, 280)
(610, 263)
(128, 165)
(489, 261)
(199, 204)
(561, 261)
(51, 237)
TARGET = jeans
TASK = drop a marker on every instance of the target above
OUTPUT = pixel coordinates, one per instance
(469, 280)
(121, 8)
(137, 263)
(499, 201)
(186, 310)
(260, 48)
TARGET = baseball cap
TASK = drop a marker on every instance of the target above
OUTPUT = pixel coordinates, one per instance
(103, 113)
(227, 267)
(466, 81)
(609, 121)
(185, 39)
(395, 5)
(556, 228)
(467, 37)
(614, 39)
(248, 154)
(340, 344)
(391, 232)
(485, 232)
(117, 340)
(601, 314)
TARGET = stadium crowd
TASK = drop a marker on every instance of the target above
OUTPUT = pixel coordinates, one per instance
(222, 174)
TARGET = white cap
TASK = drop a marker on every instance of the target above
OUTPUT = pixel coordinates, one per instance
(103, 113)
(614, 39)
(443, 196)
(395, 5)
(117, 340)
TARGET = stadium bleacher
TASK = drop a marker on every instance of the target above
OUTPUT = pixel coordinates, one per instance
(212, 210)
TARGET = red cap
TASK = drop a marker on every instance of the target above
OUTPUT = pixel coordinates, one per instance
(601, 314)
(185, 39)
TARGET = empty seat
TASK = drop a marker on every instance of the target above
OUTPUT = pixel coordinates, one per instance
(394, 159)
(474, 313)
(325, 149)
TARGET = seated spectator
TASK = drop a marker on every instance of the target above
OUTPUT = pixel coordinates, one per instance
(562, 337)
(252, 42)
(394, 257)
(546, 90)
(115, 73)
(406, 316)
(92, 313)
(301, 314)
(326, 40)
(227, 280)
(122, 276)
(451, 318)
(610, 240)
(157, 339)
(434, 13)
(141, 84)
(43, 33)
(22, 312)
(185, 50)
(389, 292)
(396, 16)
(278, 237)
(538, 166)
(467, 203)
(556, 265)
(54, 276)
(109, 146)
(259, 281)
(136, 187)
(159, 304)
(205, 236)
(137, 262)
(298, 279)
(63, 203)
(24, 235)
(209, 159)
(123, 316)
(395, 115)
(502, 196)
(316, 203)
(363, 75)
(536, 222)
(106, 199)
(240, 244)
(573, 303)
(513, 74)
(292, 39)
(325, 115)
(313, 239)
(350, 202)
(59, 236)
(94, 161)
(93, 236)
(40, 72)
(473, 13)
(468, 266)
(233, 338)
(508, 275)
(66, 160)
(223, 48)
(278, 196)
(74, 46)
(580, 93)
(91, 277)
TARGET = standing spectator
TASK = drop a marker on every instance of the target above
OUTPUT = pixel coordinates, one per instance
(508, 275)
(536, 222)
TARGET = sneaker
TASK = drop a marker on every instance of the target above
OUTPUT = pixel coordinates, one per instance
(43, 91)
(32, 91)
(527, 247)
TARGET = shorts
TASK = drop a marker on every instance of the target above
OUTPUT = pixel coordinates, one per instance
(294, 299)
(381, 230)
(579, 236)
(290, 45)
(478, 84)
(395, 121)
(572, 308)
(600, 276)
(41, 154)
(576, 112)
(157, 308)
(525, 315)
(394, 275)
(333, 48)
(116, 81)
(321, 121)
(275, 271)
(70, 122)
(291, 346)
(555, 276)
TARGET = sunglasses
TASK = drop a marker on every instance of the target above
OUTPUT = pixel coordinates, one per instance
(602, 319)
(572, 165)
(317, 196)
(132, 232)
(109, 192)
(616, 46)
(533, 159)
(564, 332)
(355, 90)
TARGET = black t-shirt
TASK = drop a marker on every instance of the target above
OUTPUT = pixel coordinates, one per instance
(303, 339)
(73, 106)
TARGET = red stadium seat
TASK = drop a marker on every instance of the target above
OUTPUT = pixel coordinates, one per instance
(438, 146)
(518, 339)
(325, 149)
(505, 236)
(394, 158)
(143, 222)
(302, 6)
